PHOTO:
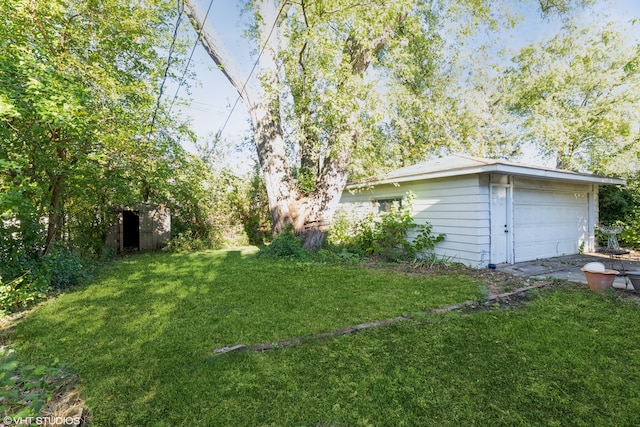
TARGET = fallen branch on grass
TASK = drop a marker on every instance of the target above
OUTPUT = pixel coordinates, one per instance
(351, 329)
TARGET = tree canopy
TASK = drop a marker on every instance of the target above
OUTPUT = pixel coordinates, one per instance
(81, 128)
(577, 95)
(344, 87)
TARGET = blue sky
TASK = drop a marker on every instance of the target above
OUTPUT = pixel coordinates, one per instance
(213, 97)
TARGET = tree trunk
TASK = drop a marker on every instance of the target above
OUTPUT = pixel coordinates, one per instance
(281, 191)
(282, 194)
(321, 205)
(55, 212)
(308, 215)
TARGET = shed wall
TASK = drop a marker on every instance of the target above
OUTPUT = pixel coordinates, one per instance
(154, 228)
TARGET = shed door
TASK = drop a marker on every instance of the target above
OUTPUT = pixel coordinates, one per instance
(130, 231)
(500, 224)
(549, 221)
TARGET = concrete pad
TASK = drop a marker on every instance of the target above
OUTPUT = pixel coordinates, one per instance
(569, 267)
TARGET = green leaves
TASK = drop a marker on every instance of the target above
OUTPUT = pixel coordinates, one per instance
(25, 389)
(79, 84)
(392, 235)
(578, 94)
(335, 57)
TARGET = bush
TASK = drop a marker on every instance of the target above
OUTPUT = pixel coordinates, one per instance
(630, 236)
(336, 254)
(25, 279)
(619, 206)
(286, 245)
(17, 294)
(186, 242)
(66, 269)
(387, 235)
(617, 203)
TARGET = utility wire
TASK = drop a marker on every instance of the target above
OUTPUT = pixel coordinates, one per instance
(193, 49)
(255, 64)
(166, 69)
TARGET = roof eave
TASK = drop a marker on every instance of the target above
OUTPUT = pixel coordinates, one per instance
(496, 167)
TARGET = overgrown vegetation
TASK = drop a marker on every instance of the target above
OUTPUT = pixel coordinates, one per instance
(30, 278)
(82, 131)
(25, 390)
(620, 205)
(392, 236)
(387, 236)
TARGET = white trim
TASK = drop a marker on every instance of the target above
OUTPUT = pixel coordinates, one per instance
(592, 198)
(461, 165)
(509, 247)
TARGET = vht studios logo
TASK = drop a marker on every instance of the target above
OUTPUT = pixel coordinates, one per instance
(27, 421)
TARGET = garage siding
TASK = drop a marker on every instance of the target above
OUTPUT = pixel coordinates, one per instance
(550, 218)
(543, 213)
(458, 207)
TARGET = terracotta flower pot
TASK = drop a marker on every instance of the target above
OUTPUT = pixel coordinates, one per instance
(599, 281)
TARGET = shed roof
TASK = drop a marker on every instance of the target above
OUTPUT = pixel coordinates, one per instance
(456, 164)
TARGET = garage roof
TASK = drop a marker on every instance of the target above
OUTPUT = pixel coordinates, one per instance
(455, 165)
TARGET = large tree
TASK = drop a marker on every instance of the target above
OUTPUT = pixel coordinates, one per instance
(578, 95)
(323, 71)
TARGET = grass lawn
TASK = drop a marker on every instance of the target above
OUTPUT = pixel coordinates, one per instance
(141, 337)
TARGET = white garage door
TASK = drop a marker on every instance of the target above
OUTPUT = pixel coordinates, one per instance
(549, 220)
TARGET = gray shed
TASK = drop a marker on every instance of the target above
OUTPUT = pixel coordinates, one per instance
(492, 211)
(144, 227)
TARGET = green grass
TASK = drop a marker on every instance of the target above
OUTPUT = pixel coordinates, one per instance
(141, 338)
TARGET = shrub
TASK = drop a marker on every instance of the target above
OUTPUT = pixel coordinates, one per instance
(342, 229)
(618, 203)
(66, 269)
(17, 294)
(187, 242)
(286, 245)
(336, 254)
(25, 278)
(619, 206)
(630, 236)
(386, 235)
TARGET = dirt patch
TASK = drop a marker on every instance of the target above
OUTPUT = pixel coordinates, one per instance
(499, 282)
(65, 408)
(495, 281)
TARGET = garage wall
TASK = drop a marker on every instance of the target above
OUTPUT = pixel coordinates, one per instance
(549, 218)
(456, 206)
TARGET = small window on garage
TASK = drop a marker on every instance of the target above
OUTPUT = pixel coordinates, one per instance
(384, 205)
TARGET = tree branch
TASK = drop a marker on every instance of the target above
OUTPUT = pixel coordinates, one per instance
(216, 49)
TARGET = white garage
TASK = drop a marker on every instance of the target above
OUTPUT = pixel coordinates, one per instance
(492, 211)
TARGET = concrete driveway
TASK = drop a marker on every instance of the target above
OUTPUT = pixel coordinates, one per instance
(568, 267)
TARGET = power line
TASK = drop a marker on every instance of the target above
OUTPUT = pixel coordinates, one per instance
(255, 64)
(193, 49)
(166, 69)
